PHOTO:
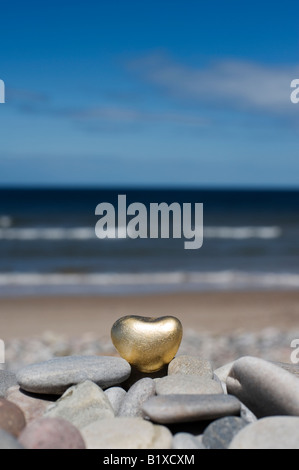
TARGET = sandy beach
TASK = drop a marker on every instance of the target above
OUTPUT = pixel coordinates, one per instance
(214, 313)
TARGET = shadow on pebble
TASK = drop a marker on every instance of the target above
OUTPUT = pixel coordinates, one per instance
(196, 428)
(137, 375)
(40, 396)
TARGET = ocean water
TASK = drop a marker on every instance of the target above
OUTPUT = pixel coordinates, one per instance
(48, 243)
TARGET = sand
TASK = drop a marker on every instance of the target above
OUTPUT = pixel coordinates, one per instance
(216, 313)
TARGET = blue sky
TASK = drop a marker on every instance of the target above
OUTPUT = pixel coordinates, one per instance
(183, 93)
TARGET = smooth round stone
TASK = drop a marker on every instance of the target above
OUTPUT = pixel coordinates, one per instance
(187, 384)
(185, 440)
(116, 396)
(223, 384)
(267, 390)
(293, 368)
(8, 441)
(167, 409)
(278, 432)
(190, 365)
(219, 434)
(32, 405)
(247, 415)
(81, 405)
(57, 375)
(136, 396)
(51, 433)
(7, 380)
(223, 372)
(126, 433)
(12, 418)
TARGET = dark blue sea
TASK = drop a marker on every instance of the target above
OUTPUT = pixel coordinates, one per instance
(48, 243)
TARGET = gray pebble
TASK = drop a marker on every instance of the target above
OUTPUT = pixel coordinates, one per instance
(190, 365)
(81, 405)
(57, 375)
(7, 441)
(136, 396)
(279, 432)
(219, 434)
(116, 396)
(247, 415)
(187, 384)
(293, 368)
(267, 390)
(166, 409)
(223, 372)
(7, 379)
(184, 440)
(223, 384)
(126, 433)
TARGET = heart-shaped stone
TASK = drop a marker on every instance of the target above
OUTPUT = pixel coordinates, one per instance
(145, 342)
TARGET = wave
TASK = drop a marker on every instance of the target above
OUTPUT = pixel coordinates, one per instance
(200, 280)
(88, 233)
(5, 221)
(242, 233)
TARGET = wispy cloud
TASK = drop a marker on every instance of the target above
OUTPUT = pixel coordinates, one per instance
(103, 117)
(22, 96)
(235, 83)
(130, 115)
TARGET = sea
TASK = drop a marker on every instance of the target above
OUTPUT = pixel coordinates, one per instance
(49, 246)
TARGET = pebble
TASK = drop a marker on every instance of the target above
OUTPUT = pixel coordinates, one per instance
(8, 441)
(223, 372)
(293, 368)
(51, 433)
(185, 440)
(116, 396)
(136, 375)
(278, 432)
(219, 434)
(33, 406)
(166, 409)
(57, 375)
(126, 433)
(7, 380)
(247, 415)
(12, 418)
(266, 389)
(81, 405)
(190, 365)
(223, 384)
(136, 396)
(187, 384)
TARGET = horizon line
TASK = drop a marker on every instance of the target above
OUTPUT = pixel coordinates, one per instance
(149, 187)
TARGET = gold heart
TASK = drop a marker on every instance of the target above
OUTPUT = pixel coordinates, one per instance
(145, 342)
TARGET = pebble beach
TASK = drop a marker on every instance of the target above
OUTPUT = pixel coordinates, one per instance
(231, 385)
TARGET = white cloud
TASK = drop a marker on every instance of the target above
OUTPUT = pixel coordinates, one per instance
(237, 83)
(131, 115)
